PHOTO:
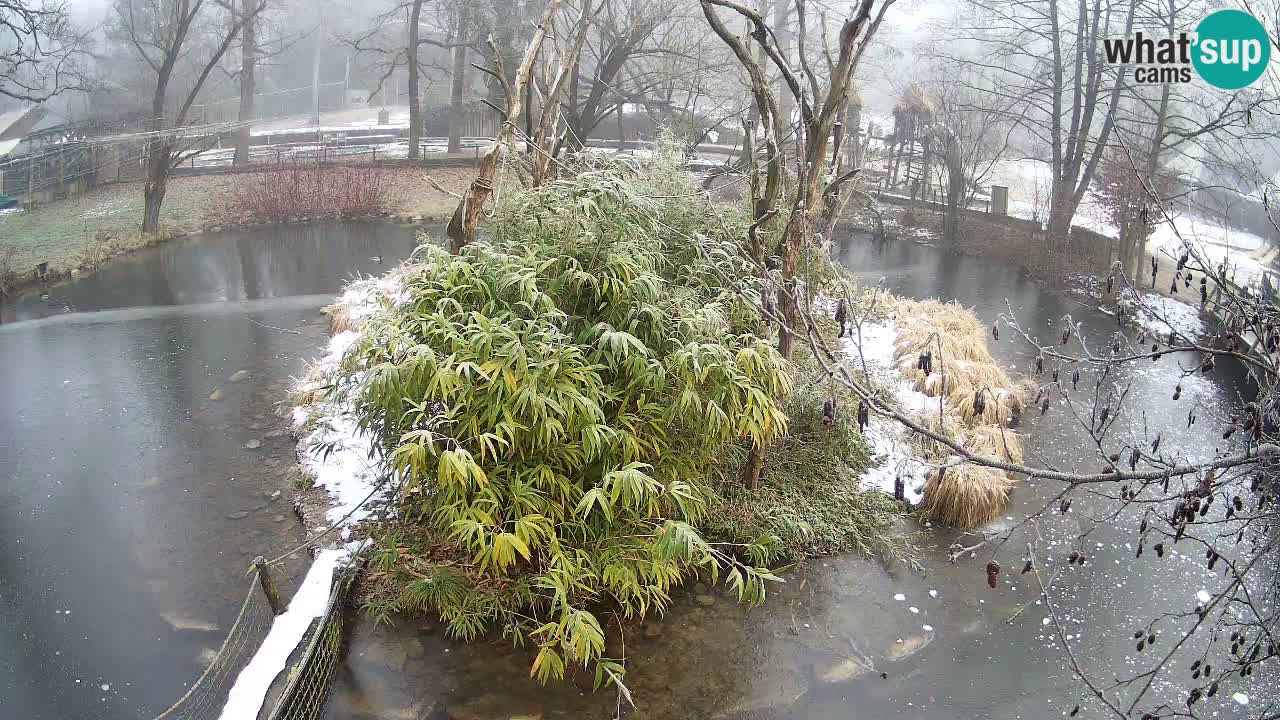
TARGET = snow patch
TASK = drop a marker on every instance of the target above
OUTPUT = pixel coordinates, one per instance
(889, 440)
(1159, 314)
(312, 599)
(1240, 698)
(337, 454)
(347, 471)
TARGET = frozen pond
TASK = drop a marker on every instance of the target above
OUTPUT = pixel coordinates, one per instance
(139, 453)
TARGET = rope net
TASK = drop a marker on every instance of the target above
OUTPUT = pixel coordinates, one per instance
(306, 679)
(308, 685)
(206, 696)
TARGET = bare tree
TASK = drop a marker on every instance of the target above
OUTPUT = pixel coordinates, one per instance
(820, 104)
(396, 38)
(624, 30)
(819, 161)
(968, 139)
(1169, 125)
(1041, 66)
(457, 76)
(248, 78)
(466, 217)
(178, 40)
(559, 64)
(42, 53)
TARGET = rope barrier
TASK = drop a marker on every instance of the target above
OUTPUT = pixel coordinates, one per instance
(307, 680)
(205, 697)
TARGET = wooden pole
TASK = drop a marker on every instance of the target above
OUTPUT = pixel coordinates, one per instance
(268, 585)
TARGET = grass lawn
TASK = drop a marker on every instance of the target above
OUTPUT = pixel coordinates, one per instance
(59, 232)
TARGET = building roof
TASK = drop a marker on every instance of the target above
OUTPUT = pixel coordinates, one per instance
(19, 123)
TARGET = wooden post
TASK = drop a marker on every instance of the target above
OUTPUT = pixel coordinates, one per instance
(31, 173)
(268, 586)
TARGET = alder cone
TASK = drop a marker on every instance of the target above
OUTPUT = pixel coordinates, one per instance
(993, 574)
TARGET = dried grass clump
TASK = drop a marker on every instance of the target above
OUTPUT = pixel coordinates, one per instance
(995, 441)
(965, 495)
(962, 365)
(311, 392)
(340, 319)
(980, 401)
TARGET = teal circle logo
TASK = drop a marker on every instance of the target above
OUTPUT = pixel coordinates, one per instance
(1231, 49)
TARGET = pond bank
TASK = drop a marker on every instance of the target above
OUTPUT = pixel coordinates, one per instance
(145, 461)
(83, 233)
(948, 646)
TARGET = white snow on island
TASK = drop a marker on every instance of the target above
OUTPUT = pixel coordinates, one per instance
(336, 453)
(889, 440)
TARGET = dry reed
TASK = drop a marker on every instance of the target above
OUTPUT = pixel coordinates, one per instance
(979, 402)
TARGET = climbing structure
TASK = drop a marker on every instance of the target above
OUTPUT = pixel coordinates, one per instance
(908, 146)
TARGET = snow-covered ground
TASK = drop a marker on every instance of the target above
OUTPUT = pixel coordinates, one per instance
(1028, 182)
(1215, 243)
(310, 602)
(1159, 314)
(889, 440)
(340, 457)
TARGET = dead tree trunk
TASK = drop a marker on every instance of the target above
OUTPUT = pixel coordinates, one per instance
(544, 137)
(466, 217)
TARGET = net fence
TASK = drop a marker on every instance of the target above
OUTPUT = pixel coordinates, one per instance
(308, 684)
(306, 680)
(206, 696)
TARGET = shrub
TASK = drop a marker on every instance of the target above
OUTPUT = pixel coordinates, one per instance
(558, 403)
(8, 267)
(303, 190)
(811, 495)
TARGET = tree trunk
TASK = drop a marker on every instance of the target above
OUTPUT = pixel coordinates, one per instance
(955, 197)
(461, 230)
(248, 81)
(755, 466)
(1128, 259)
(622, 131)
(951, 224)
(458, 82)
(792, 244)
(1062, 209)
(153, 189)
(415, 107)
(853, 135)
(782, 29)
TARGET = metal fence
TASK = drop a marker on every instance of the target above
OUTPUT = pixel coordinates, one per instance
(275, 104)
(304, 695)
